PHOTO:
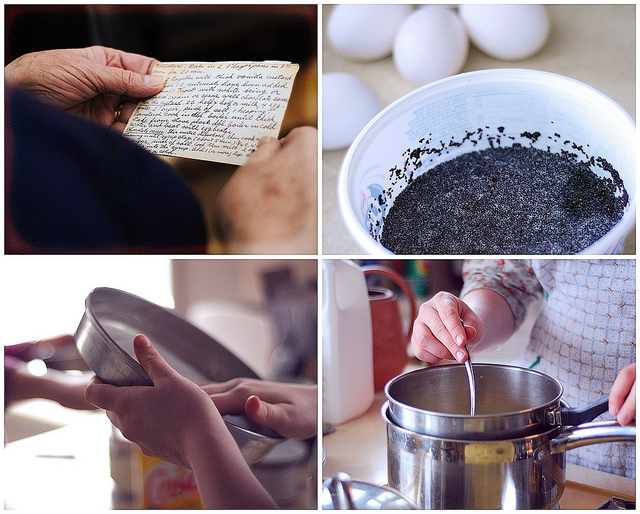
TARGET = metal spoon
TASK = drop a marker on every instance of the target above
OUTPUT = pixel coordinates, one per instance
(471, 377)
(472, 381)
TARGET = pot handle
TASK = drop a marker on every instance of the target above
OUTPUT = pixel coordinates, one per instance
(584, 435)
(578, 416)
(397, 279)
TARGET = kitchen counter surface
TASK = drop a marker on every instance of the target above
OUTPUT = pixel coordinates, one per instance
(359, 447)
(66, 468)
(71, 469)
(591, 43)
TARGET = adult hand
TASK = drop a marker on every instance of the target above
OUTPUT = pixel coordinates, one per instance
(167, 420)
(288, 409)
(99, 83)
(622, 398)
(269, 205)
(438, 331)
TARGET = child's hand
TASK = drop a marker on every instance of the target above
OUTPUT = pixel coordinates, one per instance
(176, 421)
(288, 409)
(168, 419)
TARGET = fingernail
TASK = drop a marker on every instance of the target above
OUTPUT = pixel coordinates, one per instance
(624, 417)
(460, 340)
(142, 341)
(265, 139)
(613, 411)
(153, 80)
(460, 355)
(474, 332)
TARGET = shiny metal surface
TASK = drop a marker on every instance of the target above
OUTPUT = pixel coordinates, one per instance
(113, 318)
(521, 473)
(511, 401)
(340, 488)
(588, 433)
(108, 360)
(472, 382)
(104, 337)
(341, 493)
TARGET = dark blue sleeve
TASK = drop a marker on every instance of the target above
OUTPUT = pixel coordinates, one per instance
(74, 186)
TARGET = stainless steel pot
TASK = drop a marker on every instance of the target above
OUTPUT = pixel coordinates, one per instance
(510, 402)
(521, 473)
(104, 338)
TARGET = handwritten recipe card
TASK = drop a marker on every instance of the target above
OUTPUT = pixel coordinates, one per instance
(213, 111)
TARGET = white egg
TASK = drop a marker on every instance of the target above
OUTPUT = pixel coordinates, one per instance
(507, 31)
(431, 44)
(365, 32)
(348, 104)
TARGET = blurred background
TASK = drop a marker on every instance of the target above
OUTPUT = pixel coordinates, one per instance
(183, 33)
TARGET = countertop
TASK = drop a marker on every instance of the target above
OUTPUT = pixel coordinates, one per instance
(591, 43)
(66, 468)
(69, 467)
(359, 447)
(77, 468)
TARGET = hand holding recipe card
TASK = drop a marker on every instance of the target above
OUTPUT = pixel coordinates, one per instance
(213, 111)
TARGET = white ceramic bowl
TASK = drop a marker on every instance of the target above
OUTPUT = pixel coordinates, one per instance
(518, 101)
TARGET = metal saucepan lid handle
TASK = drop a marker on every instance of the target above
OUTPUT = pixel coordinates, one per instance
(586, 434)
(340, 487)
(577, 416)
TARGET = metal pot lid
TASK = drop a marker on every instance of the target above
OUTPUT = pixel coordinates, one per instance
(341, 493)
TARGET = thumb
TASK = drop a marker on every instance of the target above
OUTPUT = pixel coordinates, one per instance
(151, 360)
(129, 83)
(266, 140)
(471, 333)
(263, 413)
(100, 394)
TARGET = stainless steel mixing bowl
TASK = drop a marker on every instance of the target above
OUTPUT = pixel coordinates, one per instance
(104, 337)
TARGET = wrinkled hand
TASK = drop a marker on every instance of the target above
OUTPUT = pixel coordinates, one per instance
(438, 332)
(622, 398)
(269, 205)
(167, 420)
(94, 82)
(288, 409)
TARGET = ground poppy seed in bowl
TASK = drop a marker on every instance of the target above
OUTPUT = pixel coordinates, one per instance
(506, 200)
(475, 112)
